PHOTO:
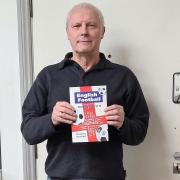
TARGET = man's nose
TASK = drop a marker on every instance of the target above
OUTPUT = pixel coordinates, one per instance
(84, 30)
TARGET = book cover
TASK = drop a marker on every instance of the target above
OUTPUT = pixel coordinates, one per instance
(91, 124)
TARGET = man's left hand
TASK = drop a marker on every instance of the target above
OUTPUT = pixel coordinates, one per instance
(115, 115)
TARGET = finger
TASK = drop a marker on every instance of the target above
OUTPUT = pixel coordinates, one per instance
(66, 110)
(114, 112)
(64, 107)
(62, 120)
(116, 124)
(70, 117)
(58, 116)
(65, 104)
(112, 107)
(114, 118)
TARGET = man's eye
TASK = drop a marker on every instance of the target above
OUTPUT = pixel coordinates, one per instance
(76, 26)
(92, 25)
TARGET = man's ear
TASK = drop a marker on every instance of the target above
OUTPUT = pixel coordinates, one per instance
(103, 32)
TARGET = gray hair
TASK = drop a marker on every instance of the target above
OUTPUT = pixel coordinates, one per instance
(86, 6)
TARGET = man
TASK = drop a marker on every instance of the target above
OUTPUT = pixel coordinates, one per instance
(48, 114)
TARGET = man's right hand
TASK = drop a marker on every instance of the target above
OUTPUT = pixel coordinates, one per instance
(63, 112)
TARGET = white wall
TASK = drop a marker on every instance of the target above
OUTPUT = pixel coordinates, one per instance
(10, 104)
(145, 36)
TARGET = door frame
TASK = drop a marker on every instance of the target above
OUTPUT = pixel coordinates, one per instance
(24, 15)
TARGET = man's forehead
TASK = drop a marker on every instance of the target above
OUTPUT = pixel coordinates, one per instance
(84, 12)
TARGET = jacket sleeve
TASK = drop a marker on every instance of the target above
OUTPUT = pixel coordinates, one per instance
(37, 125)
(136, 110)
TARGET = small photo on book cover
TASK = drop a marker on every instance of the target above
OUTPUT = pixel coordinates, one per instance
(91, 124)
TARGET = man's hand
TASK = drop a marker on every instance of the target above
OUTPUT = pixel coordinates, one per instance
(115, 115)
(63, 112)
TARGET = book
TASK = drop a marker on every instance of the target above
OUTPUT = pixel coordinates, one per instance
(91, 123)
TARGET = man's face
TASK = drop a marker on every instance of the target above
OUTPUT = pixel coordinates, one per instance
(84, 31)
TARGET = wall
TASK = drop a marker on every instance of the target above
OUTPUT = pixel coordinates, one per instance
(10, 103)
(145, 36)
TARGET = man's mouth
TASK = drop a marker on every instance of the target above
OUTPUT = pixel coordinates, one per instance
(84, 41)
